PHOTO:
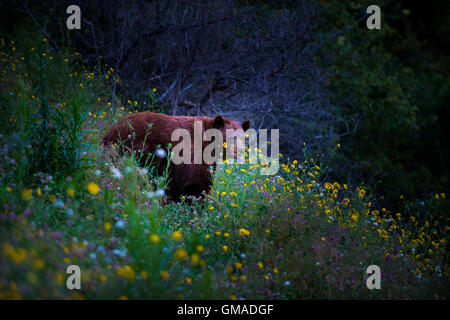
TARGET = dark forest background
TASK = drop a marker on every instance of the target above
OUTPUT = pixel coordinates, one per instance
(309, 68)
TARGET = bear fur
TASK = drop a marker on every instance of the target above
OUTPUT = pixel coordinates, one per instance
(144, 132)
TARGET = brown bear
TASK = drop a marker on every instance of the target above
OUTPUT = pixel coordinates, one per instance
(144, 132)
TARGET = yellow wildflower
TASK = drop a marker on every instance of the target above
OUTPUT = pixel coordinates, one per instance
(71, 192)
(27, 194)
(195, 259)
(93, 188)
(244, 232)
(180, 254)
(164, 274)
(154, 238)
(176, 235)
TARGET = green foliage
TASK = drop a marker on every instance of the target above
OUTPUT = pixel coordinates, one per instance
(288, 236)
(394, 104)
(45, 102)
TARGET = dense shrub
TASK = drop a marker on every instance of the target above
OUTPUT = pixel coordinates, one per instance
(45, 101)
(392, 91)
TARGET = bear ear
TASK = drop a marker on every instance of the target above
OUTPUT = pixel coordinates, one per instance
(218, 122)
(245, 125)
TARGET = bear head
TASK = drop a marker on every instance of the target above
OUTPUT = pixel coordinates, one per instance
(223, 124)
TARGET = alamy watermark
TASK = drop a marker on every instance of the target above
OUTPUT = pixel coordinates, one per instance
(374, 280)
(374, 20)
(74, 280)
(74, 20)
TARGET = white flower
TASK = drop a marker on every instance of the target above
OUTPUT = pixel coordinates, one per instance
(160, 193)
(287, 283)
(150, 194)
(142, 171)
(116, 173)
(69, 211)
(160, 153)
(120, 253)
(97, 172)
(128, 170)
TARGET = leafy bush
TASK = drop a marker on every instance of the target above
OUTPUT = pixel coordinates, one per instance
(45, 101)
(391, 90)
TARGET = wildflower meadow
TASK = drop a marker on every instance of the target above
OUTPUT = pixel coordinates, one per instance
(294, 235)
